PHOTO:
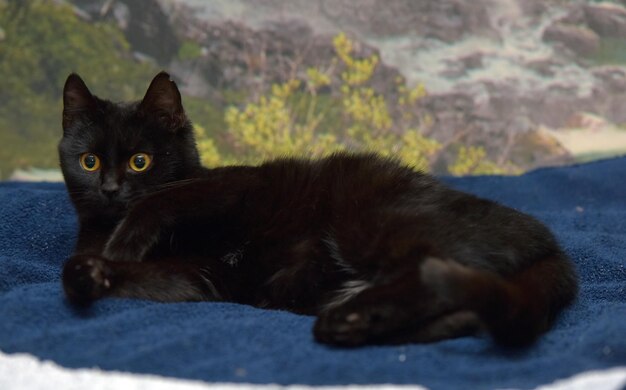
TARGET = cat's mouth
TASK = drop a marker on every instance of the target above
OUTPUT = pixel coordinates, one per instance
(113, 206)
(120, 201)
(120, 204)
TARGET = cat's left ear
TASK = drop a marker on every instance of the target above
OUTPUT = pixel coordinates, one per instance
(163, 102)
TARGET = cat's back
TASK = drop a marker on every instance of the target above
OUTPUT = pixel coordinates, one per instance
(353, 174)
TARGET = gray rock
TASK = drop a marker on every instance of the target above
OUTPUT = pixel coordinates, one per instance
(609, 95)
(446, 20)
(237, 57)
(579, 39)
(144, 23)
(606, 19)
(574, 14)
(496, 70)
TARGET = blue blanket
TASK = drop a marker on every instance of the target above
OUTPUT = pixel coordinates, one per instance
(217, 342)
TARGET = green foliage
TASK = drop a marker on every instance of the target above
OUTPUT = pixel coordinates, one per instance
(612, 51)
(44, 42)
(209, 155)
(293, 118)
(471, 160)
(189, 50)
(268, 128)
(206, 115)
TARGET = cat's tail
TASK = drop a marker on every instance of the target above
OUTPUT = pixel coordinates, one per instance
(515, 310)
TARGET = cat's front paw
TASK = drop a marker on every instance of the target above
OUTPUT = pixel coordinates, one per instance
(86, 278)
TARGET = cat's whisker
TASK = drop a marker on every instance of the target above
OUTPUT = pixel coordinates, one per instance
(169, 185)
(205, 275)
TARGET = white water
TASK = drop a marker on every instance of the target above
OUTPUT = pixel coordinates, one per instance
(506, 55)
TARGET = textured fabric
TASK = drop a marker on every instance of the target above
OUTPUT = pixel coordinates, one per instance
(584, 205)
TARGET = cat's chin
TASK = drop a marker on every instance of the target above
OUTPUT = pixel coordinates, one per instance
(116, 209)
(107, 211)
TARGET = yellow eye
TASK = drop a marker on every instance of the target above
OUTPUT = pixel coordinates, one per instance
(140, 162)
(89, 162)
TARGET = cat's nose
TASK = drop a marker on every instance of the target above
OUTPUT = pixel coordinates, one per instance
(110, 189)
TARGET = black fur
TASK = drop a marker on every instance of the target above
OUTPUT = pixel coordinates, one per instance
(379, 252)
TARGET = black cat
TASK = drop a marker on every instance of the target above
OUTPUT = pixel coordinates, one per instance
(378, 252)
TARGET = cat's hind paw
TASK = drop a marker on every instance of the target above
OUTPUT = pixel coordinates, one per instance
(86, 278)
(350, 327)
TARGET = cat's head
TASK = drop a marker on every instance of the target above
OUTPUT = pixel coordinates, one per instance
(114, 153)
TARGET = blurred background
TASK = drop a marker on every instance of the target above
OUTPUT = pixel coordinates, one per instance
(455, 87)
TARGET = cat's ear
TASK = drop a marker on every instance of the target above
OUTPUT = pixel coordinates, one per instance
(163, 102)
(77, 100)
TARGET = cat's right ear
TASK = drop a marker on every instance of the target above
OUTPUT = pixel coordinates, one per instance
(163, 102)
(77, 100)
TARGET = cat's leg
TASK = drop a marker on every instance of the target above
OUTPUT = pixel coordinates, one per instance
(87, 278)
(360, 327)
(448, 326)
(444, 299)
(202, 199)
(402, 309)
